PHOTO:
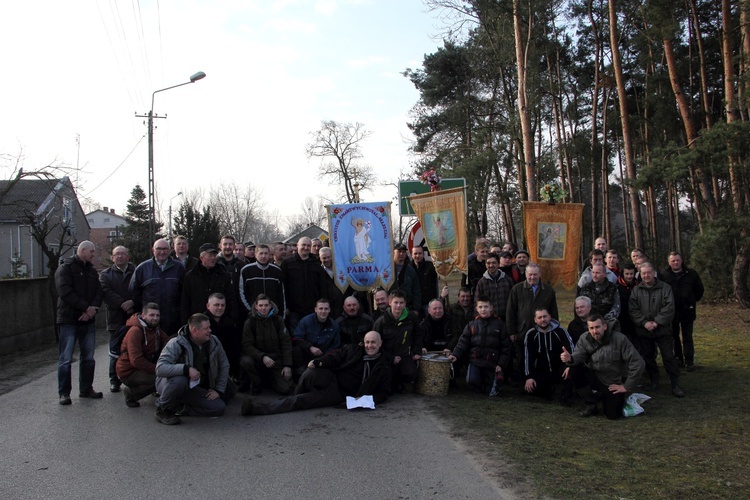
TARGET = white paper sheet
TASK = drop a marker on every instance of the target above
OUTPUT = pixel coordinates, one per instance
(363, 402)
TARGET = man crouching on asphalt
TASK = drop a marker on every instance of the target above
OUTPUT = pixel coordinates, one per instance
(353, 370)
(192, 374)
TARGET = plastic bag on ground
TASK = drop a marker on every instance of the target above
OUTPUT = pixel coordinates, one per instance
(633, 404)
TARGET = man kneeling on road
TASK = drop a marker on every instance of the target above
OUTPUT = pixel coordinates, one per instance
(192, 374)
(615, 367)
(136, 366)
(353, 370)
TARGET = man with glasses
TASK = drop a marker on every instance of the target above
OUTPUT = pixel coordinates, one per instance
(159, 280)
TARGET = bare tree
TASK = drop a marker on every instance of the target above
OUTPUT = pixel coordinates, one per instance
(240, 212)
(313, 212)
(339, 146)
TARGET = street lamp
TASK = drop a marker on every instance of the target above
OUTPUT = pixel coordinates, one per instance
(170, 213)
(151, 217)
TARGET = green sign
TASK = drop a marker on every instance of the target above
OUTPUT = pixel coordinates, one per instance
(408, 188)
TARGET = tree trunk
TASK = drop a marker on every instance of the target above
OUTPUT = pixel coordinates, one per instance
(735, 182)
(739, 276)
(627, 138)
(704, 183)
(523, 111)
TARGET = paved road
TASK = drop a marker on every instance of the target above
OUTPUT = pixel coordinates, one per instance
(102, 449)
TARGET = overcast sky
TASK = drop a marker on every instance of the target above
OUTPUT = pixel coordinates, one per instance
(275, 69)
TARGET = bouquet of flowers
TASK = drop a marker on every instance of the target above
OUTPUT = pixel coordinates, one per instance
(431, 178)
(551, 192)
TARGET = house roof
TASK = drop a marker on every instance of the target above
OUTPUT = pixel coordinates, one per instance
(18, 198)
(312, 231)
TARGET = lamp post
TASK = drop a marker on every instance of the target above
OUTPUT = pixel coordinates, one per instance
(151, 212)
(170, 213)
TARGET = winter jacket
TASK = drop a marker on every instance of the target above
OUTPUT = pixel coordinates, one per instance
(687, 289)
(255, 279)
(475, 271)
(585, 278)
(611, 360)
(408, 281)
(140, 348)
(496, 290)
(401, 337)
(437, 334)
(542, 350)
(624, 290)
(655, 303)
(486, 342)
(460, 318)
(348, 365)
(116, 290)
(199, 284)
(267, 336)
(354, 328)
(522, 303)
(303, 284)
(152, 284)
(177, 357)
(312, 333)
(78, 288)
(605, 299)
(428, 281)
(189, 262)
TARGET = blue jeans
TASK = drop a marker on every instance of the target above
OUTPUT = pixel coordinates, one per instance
(85, 335)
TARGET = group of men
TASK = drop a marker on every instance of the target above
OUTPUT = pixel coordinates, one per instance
(194, 331)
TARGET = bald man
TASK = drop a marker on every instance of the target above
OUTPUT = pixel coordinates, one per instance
(79, 298)
(353, 370)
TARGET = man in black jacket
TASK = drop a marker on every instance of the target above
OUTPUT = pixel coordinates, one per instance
(79, 297)
(116, 294)
(353, 370)
(303, 283)
(203, 280)
(687, 289)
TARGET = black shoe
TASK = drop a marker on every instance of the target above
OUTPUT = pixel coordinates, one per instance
(654, 385)
(65, 400)
(690, 367)
(132, 403)
(180, 410)
(166, 417)
(566, 401)
(247, 407)
(114, 387)
(677, 391)
(91, 394)
(590, 411)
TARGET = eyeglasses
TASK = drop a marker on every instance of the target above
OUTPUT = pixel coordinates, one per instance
(161, 249)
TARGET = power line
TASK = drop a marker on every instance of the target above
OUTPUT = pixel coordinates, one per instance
(118, 166)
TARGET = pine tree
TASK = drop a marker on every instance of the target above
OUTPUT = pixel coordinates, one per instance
(136, 236)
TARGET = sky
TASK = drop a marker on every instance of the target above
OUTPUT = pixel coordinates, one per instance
(77, 73)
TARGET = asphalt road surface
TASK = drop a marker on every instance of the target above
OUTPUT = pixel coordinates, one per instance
(102, 449)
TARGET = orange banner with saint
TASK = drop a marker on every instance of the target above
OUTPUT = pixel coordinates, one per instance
(443, 218)
(553, 238)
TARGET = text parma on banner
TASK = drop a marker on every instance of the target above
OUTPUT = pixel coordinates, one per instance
(362, 245)
(443, 218)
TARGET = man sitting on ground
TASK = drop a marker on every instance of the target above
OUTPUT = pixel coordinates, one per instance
(543, 345)
(615, 367)
(267, 348)
(353, 370)
(136, 366)
(193, 356)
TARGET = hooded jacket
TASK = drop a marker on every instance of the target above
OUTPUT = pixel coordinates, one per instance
(177, 357)
(267, 336)
(140, 348)
(542, 349)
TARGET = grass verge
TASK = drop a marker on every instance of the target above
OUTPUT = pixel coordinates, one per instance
(695, 447)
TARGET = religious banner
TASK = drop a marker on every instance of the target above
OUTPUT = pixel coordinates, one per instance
(442, 215)
(553, 238)
(362, 245)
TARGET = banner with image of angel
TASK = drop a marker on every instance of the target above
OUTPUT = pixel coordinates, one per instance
(443, 218)
(362, 245)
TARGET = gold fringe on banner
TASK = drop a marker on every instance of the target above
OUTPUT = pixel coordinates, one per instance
(443, 218)
(553, 238)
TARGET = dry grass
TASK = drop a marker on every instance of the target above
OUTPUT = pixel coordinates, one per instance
(696, 447)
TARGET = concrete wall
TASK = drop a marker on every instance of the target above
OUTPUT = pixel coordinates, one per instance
(27, 314)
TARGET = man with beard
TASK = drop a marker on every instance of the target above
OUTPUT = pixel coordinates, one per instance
(543, 345)
(614, 367)
(353, 370)
(380, 300)
(136, 366)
